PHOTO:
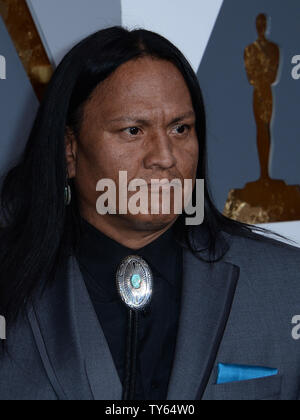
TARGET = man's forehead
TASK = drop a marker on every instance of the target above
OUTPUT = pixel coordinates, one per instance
(144, 81)
(174, 115)
(142, 95)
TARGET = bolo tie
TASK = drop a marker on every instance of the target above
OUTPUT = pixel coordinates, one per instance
(135, 286)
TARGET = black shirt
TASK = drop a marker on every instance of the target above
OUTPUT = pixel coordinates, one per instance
(99, 258)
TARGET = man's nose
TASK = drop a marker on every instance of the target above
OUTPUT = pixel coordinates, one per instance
(160, 153)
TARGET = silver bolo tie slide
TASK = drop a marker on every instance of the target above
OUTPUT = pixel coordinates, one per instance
(135, 285)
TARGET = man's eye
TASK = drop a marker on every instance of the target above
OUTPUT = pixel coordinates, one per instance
(181, 129)
(133, 131)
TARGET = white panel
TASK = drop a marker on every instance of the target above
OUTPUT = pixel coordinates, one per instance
(290, 230)
(63, 23)
(187, 23)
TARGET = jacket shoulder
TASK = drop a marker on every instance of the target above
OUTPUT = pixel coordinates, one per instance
(263, 247)
(274, 262)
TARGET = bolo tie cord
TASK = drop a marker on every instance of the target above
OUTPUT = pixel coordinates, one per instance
(135, 285)
(131, 356)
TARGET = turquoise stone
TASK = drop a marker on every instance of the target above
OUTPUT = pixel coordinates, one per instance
(136, 281)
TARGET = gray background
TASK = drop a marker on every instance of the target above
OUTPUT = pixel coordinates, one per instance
(233, 157)
(63, 23)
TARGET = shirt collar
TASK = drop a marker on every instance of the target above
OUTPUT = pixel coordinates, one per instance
(96, 250)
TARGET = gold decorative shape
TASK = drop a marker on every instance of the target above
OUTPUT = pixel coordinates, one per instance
(27, 41)
(266, 200)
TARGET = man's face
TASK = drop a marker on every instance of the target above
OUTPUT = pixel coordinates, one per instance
(140, 120)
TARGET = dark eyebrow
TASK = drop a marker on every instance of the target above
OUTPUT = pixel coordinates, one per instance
(132, 119)
(189, 114)
(137, 120)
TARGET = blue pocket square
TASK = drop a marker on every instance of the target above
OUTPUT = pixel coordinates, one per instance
(237, 373)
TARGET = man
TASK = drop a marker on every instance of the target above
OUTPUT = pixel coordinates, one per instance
(219, 323)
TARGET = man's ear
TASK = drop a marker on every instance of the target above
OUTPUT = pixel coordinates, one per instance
(71, 152)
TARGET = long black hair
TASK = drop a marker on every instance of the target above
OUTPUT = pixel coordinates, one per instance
(38, 231)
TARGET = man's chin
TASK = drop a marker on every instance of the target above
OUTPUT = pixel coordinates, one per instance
(151, 222)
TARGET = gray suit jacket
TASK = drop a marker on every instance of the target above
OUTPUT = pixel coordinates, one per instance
(235, 311)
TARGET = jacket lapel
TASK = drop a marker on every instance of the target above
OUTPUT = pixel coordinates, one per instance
(71, 342)
(208, 293)
(74, 350)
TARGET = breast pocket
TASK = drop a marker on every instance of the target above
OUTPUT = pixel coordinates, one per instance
(256, 389)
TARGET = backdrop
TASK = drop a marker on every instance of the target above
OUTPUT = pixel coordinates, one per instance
(213, 35)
